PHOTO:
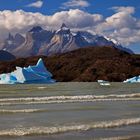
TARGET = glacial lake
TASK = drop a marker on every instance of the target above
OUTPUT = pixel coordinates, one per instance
(70, 111)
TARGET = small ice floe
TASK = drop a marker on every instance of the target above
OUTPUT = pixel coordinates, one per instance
(103, 83)
(31, 74)
(135, 79)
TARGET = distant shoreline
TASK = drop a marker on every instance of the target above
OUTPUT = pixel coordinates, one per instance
(84, 65)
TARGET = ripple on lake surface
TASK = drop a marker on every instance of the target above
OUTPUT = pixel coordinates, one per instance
(69, 111)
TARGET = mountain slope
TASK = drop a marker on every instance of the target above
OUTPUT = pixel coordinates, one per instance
(6, 56)
(38, 41)
(85, 64)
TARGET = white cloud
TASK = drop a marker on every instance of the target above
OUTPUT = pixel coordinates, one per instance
(37, 4)
(75, 19)
(20, 21)
(127, 9)
(75, 3)
(122, 25)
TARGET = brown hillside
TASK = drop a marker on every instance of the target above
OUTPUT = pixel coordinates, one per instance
(86, 64)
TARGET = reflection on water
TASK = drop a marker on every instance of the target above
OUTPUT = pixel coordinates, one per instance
(69, 111)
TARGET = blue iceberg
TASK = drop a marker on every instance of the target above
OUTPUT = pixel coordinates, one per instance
(31, 74)
(135, 79)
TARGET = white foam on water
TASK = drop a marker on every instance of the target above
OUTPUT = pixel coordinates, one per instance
(79, 97)
(63, 129)
(67, 101)
(22, 111)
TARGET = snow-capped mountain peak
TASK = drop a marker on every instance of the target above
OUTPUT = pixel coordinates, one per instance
(63, 29)
(42, 42)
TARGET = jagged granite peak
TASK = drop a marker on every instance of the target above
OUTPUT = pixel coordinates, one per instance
(63, 26)
(39, 41)
(14, 40)
(63, 29)
(38, 34)
(10, 37)
(36, 29)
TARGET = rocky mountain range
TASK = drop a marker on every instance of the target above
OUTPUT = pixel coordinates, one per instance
(38, 41)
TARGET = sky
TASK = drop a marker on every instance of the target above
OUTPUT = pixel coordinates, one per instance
(116, 19)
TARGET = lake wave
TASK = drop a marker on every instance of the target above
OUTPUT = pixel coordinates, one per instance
(62, 129)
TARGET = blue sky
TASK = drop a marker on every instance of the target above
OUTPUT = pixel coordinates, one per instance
(129, 12)
(51, 6)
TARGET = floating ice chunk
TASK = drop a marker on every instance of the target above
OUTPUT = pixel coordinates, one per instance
(30, 74)
(39, 68)
(103, 83)
(7, 78)
(135, 79)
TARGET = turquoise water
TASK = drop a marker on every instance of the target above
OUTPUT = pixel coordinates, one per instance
(72, 111)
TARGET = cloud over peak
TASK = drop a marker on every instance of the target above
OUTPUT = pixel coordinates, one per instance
(75, 18)
(37, 4)
(121, 26)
